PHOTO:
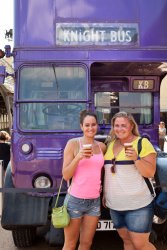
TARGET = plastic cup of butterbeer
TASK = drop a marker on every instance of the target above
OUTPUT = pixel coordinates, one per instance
(87, 149)
(128, 145)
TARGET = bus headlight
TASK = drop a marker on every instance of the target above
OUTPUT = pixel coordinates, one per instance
(26, 148)
(42, 182)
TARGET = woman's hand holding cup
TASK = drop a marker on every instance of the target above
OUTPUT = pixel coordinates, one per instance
(128, 148)
(130, 151)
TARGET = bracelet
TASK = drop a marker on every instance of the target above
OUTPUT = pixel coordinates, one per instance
(138, 158)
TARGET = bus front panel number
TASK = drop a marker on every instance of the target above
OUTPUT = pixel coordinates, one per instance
(105, 225)
(143, 84)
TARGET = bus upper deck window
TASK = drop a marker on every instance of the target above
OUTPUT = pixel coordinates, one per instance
(52, 82)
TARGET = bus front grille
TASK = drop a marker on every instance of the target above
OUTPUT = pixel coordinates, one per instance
(49, 153)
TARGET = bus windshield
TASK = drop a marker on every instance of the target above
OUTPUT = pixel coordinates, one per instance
(50, 98)
(139, 104)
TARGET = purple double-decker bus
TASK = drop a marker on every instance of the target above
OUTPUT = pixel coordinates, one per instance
(106, 56)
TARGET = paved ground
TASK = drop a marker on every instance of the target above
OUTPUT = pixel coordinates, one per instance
(102, 241)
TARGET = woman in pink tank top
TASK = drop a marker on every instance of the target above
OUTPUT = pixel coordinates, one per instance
(83, 162)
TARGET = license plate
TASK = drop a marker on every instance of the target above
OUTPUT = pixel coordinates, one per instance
(105, 225)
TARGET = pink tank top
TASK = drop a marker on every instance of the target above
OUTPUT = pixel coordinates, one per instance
(86, 181)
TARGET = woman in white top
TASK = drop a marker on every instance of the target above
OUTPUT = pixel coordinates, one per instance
(126, 193)
(162, 134)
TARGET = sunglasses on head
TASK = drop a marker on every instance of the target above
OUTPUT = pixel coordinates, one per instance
(113, 166)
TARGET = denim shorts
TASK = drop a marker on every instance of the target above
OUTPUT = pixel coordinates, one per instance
(79, 207)
(139, 220)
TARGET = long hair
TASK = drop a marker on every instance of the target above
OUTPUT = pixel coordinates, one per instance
(135, 130)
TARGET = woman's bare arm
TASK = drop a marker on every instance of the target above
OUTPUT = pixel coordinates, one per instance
(72, 155)
(147, 165)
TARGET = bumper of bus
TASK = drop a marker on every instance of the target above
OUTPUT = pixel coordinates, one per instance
(22, 209)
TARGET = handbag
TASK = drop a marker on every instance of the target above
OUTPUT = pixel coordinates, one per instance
(59, 216)
(160, 201)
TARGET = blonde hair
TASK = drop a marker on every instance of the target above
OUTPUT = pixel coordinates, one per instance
(135, 130)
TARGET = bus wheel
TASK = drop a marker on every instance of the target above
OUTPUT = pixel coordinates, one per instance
(160, 228)
(24, 237)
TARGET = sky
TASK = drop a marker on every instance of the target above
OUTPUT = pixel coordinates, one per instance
(6, 21)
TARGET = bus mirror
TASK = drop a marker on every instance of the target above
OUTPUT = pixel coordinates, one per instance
(2, 74)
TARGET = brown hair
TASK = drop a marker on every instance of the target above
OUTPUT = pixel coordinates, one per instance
(2, 136)
(6, 134)
(135, 130)
(85, 113)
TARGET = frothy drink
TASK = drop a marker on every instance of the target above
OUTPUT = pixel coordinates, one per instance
(87, 149)
(128, 145)
(87, 146)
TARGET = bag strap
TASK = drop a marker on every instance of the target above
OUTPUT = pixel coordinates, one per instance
(150, 187)
(59, 192)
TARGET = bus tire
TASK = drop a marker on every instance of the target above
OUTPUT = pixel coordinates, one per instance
(24, 237)
(160, 228)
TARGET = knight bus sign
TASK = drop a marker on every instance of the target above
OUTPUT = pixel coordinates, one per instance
(100, 34)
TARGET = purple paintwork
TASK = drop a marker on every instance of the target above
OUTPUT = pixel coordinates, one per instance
(35, 22)
(34, 42)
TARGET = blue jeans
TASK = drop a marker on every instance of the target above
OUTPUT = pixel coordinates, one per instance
(139, 220)
(79, 207)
